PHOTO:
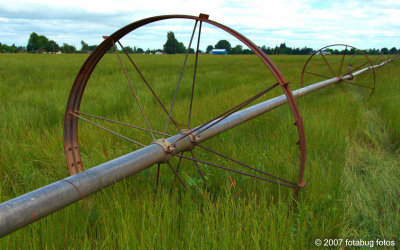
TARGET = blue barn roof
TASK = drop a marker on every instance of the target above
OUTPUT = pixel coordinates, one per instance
(219, 52)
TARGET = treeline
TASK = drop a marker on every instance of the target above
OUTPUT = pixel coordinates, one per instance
(41, 44)
(4, 48)
(282, 49)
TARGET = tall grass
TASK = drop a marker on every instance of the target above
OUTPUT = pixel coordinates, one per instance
(352, 166)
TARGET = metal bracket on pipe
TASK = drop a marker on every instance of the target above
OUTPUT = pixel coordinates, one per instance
(166, 145)
(193, 138)
(351, 76)
(191, 135)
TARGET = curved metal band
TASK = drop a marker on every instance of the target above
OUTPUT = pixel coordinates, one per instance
(71, 123)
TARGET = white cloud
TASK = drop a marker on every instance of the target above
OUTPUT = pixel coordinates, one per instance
(299, 23)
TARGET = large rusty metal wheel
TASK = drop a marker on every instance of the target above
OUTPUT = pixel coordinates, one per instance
(323, 64)
(73, 113)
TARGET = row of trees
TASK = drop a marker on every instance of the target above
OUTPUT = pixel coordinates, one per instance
(283, 49)
(172, 46)
(40, 43)
(4, 48)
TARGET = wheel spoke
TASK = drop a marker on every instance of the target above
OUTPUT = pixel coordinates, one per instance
(194, 75)
(157, 178)
(352, 83)
(177, 171)
(198, 168)
(236, 171)
(180, 78)
(244, 165)
(121, 123)
(327, 77)
(227, 113)
(326, 61)
(148, 85)
(176, 174)
(358, 67)
(133, 90)
(106, 129)
(341, 62)
(202, 175)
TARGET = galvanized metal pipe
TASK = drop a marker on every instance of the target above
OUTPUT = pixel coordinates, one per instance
(25, 209)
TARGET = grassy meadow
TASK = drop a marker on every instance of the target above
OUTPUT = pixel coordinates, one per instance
(352, 169)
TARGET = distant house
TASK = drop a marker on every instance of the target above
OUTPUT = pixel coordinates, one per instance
(218, 52)
(58, 51)
(323, 53)
(159, 53)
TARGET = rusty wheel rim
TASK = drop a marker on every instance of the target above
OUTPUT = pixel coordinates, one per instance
(73, 114)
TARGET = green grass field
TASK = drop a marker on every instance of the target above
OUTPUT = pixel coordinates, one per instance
(353, 156)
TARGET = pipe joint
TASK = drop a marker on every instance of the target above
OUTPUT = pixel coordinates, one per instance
(193, 138)
(167, 147)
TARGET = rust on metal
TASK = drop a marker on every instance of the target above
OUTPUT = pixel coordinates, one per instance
(203, 16)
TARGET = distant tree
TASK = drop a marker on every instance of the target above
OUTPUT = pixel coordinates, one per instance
(36, 42)
(336, 52)
(21, 48)
(129, 49)
(352, 51)
(393, 50)
(85, 47)
(296, 51)
(247, 52)
(139, 50)
(180, 48)
(283, 49)
(276, 50)
(66, 48)
(4, 48)
(43, 43)
(171, 44)
(33, 42)
(329, 50)
(52, 46)
(209, 48)
(238, 49)
(223, 44)
(191, 50)
(92, 47)
(385, 51)
(267, 50)
(306, 51)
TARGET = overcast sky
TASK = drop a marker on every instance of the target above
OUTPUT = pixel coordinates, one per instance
(361, 23)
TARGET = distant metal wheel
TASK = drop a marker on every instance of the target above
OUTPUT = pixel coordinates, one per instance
(74, 114)
(338, 61)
